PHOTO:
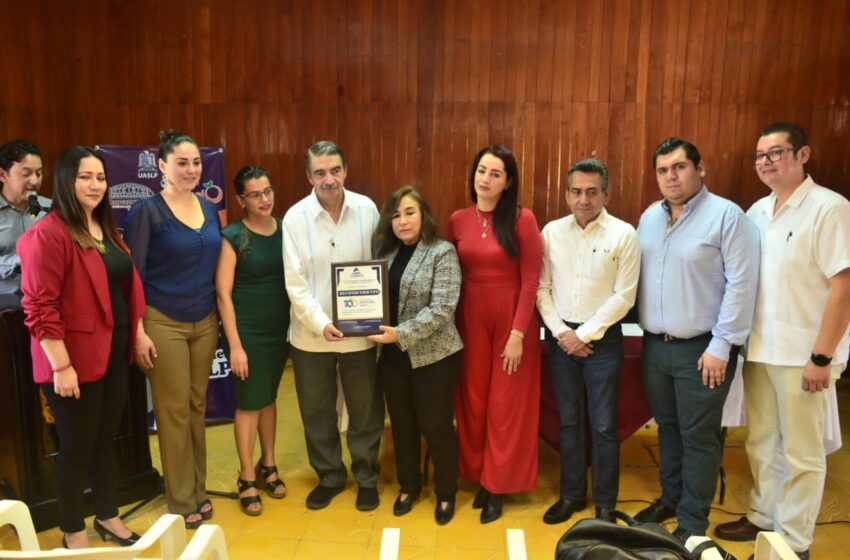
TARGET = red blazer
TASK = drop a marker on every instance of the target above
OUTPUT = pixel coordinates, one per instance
(66, 296)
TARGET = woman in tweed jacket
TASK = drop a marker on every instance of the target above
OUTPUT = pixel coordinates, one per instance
(420, 360)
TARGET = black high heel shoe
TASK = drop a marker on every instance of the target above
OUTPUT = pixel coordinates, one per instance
(101, 530)
(481, 498)
(492, 510)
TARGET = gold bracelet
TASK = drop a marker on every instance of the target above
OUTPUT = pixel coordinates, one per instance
(517, 333)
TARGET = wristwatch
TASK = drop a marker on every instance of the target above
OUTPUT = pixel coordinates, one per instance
(820, 360)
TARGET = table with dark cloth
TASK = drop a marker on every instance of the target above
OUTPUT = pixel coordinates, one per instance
(632, 411)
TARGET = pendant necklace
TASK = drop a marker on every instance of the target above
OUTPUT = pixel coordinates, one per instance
(483, 222)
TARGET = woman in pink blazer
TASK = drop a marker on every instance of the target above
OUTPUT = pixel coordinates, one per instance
(84, 301)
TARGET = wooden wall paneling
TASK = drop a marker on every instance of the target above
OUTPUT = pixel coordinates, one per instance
(541, 55)
(199, 65)
(497, 58)
(751, 67)
(563, 47)
(412, 90)
(835, 34)
(629, 168)
(519, 36)
(620, 33)
(582, 55)
(215, 69)
(540, 161)
(680, 54)
(600, 68)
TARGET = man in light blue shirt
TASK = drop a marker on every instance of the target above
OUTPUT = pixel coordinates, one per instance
(699, 271)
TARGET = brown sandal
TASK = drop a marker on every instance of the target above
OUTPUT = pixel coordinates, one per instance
(246, 501)
(271, 487)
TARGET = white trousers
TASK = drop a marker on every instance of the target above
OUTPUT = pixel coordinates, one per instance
(785, 450)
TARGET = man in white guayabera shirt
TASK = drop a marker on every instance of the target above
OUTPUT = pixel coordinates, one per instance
(330, 225)
(799, 342)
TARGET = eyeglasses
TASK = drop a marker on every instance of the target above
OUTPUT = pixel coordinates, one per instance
(772, 156)
(268, 192)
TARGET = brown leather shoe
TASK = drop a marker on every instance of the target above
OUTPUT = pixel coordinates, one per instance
(738, 531)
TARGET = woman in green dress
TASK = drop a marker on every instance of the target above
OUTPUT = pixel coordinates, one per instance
(254, 311)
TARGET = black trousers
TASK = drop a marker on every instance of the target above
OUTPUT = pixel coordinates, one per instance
(87, 427)
(421, 403)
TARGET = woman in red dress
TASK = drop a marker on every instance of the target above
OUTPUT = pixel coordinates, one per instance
(498, 399)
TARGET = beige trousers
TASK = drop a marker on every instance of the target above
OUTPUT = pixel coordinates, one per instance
(785, 450)
(179, 381)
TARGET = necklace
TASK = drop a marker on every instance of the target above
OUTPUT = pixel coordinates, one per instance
(483, 222)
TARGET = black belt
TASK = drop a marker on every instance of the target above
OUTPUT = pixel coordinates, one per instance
(670, 338)
(573, 326)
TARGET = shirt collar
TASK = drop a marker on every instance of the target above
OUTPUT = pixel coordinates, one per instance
(799, 194)
(5, 203)
(316, 206)
(601, 220)
(796, 198)
(690, 205)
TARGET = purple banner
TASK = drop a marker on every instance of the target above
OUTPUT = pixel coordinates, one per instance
(134, 174)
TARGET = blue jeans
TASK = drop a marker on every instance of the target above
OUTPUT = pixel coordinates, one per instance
(689, 432)
(597, 375)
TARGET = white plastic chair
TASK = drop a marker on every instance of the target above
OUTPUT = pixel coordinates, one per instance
(208, 542)
(390, 538)
(516, 544)
(169, 531)
(770, 545)
(17, 514)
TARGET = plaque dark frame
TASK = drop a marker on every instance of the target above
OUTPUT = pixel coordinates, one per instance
(385, 319)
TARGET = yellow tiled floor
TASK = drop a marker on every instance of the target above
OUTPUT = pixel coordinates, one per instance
(288, 530)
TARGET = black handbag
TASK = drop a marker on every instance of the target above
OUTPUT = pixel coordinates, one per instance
(594, 539)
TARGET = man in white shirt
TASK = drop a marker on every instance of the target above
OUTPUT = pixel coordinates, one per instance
(799, 341)
(591, 263)
(330, 225)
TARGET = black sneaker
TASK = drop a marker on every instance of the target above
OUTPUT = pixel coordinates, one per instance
(321, 496)
(367, 498)
(682, 534)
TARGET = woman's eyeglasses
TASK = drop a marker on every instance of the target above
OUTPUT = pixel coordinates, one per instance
(268, 192)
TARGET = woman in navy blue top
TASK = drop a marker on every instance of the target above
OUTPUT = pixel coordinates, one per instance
(175, 240)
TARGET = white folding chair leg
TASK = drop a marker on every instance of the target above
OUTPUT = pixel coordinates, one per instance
(170, 531)
(516, 545)
(208, 542)
(17, 514)
(770, 545)
(389, 543)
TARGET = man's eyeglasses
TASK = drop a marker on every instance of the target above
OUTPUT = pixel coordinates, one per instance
(268, 192)
(772, 156)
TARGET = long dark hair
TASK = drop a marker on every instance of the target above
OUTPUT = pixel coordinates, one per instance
(243, 176)
(385, 239)
(505, 214)
(66, 205)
